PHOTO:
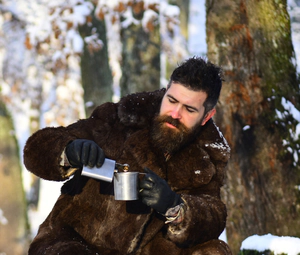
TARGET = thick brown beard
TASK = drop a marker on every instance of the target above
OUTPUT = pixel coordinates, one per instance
(170, 140)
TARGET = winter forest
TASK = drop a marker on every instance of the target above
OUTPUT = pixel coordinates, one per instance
(61, 59)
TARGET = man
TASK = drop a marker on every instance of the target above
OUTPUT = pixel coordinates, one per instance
(169, 135)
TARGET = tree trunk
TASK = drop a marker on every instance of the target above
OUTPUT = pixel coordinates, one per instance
(251, 40)
(184, 6)
(178, 53)
(13, 219)
(95, 71)
(140, 55)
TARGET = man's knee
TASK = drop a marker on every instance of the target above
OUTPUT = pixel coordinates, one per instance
(62, 240)
(62, 248)
(212, 247)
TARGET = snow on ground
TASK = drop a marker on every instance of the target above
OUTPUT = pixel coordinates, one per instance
(277, 244)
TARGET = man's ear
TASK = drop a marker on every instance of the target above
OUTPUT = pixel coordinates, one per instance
(208, 116)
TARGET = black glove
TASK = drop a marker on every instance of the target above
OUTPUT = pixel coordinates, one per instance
(156, 193)
(82, 152)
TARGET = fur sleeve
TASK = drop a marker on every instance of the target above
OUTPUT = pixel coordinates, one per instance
(204, 219)
(43, 150)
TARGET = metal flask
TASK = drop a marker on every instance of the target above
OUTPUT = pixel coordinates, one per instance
(104, 173)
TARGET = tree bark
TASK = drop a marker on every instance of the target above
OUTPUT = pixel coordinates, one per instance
(95, 70)
(251, 41)
(140, 55)
(13, 218)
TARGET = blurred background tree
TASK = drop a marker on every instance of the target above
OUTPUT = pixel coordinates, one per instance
(140, 49)
(14, 228)
(96, 76)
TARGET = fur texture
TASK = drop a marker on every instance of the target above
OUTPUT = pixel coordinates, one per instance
(86, 215)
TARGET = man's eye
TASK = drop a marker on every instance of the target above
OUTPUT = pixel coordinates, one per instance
(172, 101)
(190, 109)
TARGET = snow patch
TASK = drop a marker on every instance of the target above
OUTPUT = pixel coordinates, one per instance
(3, 220)
(277, 244)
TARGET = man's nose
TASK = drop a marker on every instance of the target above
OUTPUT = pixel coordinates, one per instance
(176, 113)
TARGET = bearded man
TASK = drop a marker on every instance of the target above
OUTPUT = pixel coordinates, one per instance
(167, 134)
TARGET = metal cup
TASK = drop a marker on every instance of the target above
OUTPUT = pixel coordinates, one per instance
(126, 185)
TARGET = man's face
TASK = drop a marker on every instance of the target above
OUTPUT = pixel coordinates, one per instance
(181, 114)
(184, 105)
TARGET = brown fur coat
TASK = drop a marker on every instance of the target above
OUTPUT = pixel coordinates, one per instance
(86, 213)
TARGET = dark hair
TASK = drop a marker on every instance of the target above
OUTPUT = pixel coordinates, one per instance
(199, 74)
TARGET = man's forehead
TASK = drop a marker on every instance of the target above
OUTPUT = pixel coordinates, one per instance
(186, 95)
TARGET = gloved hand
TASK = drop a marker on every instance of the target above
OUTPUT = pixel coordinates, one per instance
(156, 193)
(82, 152)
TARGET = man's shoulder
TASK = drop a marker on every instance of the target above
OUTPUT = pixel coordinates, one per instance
(133, 110)
(212, 140)
(138, 109)
(106, 112)
(211, 131)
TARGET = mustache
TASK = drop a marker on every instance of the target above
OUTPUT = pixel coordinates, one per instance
(175, 122)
